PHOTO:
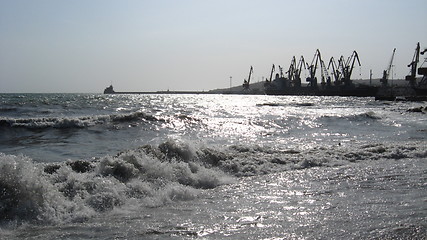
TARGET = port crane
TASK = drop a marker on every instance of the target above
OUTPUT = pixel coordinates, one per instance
(347, 68)
(273, 68)
(335, 71)
(423, 71)
(312, 80)
(413, 65)
(297, 75)
(294, 72)
(246, 82)
(386, 73)
(292, 69)
(325, 75)
(281, 71)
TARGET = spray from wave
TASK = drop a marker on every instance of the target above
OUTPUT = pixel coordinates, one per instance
(77, 190)
(152, 176)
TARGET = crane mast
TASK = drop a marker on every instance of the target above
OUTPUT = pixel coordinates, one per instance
(281, 71)
(272, 70)
(297, 74)
(291, 70)
(386, 73)
(336, 73)
(246, 82)
(326, 80)
(348, 68)
(312, 69)
(413, 65)
(423, 71)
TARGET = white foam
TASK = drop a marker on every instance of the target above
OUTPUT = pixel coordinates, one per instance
(151, 176)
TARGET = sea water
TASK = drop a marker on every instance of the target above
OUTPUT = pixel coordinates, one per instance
(79, 166)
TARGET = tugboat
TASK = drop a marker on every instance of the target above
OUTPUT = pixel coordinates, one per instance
(109, 90)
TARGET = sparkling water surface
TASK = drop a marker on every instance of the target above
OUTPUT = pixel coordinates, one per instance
(78, 166)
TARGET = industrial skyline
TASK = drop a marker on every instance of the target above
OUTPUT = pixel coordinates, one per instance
(84, 46)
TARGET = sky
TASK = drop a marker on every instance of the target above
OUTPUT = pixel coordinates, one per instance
(81, 46)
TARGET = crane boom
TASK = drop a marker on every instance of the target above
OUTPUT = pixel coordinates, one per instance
(272, 70)
(335, 71)
(301, 64)
(386, 73)
(296, 69)
(246, 82)
(250, 74)
(314, 63)
(348, 67)
(355, 57)
(281, 71)
(324, 73)
(291, 70)
(312, 69)
(413, 65)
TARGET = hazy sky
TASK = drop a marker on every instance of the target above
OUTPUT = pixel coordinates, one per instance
(141, 45)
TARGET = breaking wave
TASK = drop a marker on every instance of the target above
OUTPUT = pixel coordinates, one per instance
(77, 190)
(155, 175)
(76, 122)
(364, 116)
(371, 116)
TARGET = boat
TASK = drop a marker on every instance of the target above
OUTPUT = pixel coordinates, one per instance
(109, 90)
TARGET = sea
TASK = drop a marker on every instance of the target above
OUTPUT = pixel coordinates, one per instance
(211, 166)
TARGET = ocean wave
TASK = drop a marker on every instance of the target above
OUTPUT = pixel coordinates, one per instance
(270, 104)
(274, 104)
(418, 109)
(75, 122)
(133, 117)
(39, 123)
(155, 175)
(365, 116)
(78, 190)
(8, 109)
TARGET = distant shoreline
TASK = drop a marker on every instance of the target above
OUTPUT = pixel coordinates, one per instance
(164, 92)
(256, 88)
